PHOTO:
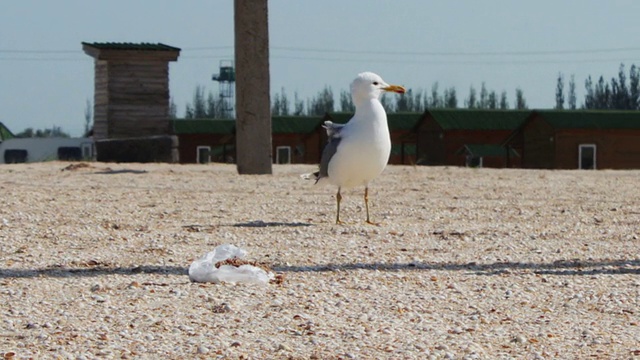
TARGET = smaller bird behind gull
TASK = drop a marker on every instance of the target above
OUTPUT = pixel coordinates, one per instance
(358, 151)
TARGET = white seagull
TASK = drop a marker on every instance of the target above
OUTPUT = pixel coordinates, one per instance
(358, 151)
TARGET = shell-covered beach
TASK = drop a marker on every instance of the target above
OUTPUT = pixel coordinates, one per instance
(465, 264)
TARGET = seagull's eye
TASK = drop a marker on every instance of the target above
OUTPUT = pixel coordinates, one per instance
(375, 83)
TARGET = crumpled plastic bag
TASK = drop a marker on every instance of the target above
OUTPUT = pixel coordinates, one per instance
(204, 269)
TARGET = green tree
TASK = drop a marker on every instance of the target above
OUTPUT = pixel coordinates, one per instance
(450, 98)
(425, 99)
(88, 117)
(26, 133)
(618, 93)
(298, 105)
(409, 101)
(589, 97)
(504, 103)
(521, 102)
(55, 131)
(492, 100)
(571, 97)
(214, 107)
(602, 94)
(280, 104)
(416, 104)
(471, 102)
(560, 92)
(173, 109)
(403, 102)
(387, 104)
(206, 106)
(346, 102)
(199, 103)
(483, 102)
(284, 100)
(198, 108)
(322, 103)
(211, 107)
(634, 88)
(434, 99)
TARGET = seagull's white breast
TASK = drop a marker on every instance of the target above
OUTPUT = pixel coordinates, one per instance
(364, 148)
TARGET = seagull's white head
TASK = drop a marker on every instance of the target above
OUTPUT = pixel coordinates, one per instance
(368, 85)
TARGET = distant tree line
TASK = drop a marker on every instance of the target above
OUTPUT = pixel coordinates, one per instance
(211, 106)
(411, 101)
(204, 106)
(616, 94)
(621, 92)
(55, 131)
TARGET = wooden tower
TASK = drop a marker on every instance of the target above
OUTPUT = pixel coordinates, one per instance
(131, 89)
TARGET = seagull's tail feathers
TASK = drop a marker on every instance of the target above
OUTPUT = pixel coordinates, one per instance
(333, 130)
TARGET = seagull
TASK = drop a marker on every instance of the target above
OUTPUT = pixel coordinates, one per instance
(358, 151)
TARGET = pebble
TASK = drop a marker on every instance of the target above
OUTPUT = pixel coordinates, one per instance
(99, 298)
(520, 339)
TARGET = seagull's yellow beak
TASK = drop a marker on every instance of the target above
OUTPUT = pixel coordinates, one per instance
(395, 88)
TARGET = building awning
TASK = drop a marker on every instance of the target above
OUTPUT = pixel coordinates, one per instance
(486, 150)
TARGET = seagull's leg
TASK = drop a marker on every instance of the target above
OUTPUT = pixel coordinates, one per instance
(366, 205)
(338, 199)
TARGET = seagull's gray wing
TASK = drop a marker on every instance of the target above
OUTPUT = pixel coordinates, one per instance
(333, 131)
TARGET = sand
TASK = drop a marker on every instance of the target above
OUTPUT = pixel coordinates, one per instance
(465, 264)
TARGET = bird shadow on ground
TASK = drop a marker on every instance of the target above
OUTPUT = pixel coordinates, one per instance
(560, 268)
(260, 223)
(61, 272)
(249, 224)
(564, 267)
(109, 171)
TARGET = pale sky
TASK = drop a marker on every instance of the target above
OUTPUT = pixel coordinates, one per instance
(46, 79)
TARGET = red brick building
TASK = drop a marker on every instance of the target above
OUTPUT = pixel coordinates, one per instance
(575, 139)
(466, 137)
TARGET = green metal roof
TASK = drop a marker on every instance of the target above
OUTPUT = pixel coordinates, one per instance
(488, 150)
(204, 126)
(294, 124)
(590, 119)
(403, 121)
(397, 121)
(279, 125)
(131, 46)
(5, 133)
(478, 119)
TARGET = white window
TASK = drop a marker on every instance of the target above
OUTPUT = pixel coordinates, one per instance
(203, 154)
(87, 151)
(283, 155)
(587, 156)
